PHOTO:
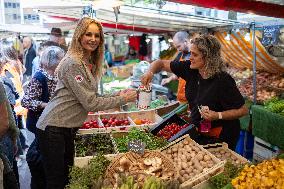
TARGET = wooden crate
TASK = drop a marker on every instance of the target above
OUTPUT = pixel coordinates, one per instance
(238, 159)
(84, 161)
(163, 110)
(217, 167)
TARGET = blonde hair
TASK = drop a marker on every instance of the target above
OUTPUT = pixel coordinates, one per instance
(210, 48)
(76, 50)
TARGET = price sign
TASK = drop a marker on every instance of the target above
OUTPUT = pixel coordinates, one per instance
(270, 35)
(136, 146)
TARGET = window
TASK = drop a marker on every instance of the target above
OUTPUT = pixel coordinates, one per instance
(37, 17)
(14, 16)
(9, 5)
(25, 17)
(29, 16)
(33, 17)
(18, 5)
(6, 5)
(14, 5)
(199, 13)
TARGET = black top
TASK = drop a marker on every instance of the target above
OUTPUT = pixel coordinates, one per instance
(219, 93)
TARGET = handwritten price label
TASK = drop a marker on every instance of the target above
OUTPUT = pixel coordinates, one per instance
(136, 146)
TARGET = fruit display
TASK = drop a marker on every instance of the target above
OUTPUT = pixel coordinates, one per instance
(138, 121)
(152, 142)
(191, 161)
(91, 124)
(170, 130)
(267, 174)
(114, 121)
(222, 152)
(93, 144)
(275, 105)
(151, 163)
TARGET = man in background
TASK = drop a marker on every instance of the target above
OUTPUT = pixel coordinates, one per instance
(29, 55)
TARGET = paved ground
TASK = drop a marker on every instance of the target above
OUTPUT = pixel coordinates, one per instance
(24, 172)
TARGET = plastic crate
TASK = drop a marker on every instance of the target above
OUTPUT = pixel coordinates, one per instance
(263, 150)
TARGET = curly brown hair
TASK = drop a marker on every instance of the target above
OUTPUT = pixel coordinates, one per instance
(76, 50)
(210, 48)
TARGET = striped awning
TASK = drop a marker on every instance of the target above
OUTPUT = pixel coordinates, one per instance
(239, 53)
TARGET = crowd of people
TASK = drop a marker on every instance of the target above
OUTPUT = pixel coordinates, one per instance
(58, 87)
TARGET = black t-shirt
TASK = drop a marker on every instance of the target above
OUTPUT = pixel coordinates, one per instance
(219, 93)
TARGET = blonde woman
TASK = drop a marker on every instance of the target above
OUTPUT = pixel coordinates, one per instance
(212, 93)
(75, 95)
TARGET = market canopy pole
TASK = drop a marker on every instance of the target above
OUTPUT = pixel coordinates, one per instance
(246, 6)
(254, 62)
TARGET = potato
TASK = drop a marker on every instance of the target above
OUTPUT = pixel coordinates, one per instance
(196, 172)
(234, 158)
(169, 151)
(185, 176)
(189, 170)
(189, 163)
(188, 157)
(182, 172)
(206, 158)
(174, 154)
(209, 165)
(184, 165)
(203, 164)
(199, 156)
(222, 151)
(197, 165)
(174, 149)
(185, 142)
(227, 154)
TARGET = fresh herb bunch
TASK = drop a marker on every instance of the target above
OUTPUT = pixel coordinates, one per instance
(152, 142)
(275, 105)
(89, 176)
(223, 179)
(92, 144)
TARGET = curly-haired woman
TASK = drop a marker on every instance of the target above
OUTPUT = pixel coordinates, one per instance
(215, 101)
(75, 95)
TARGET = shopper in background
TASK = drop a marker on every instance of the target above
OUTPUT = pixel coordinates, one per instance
(108, 56)
(180, 44)
(36, 97)
(42, 85)
(78, 75)
(211, 92)
(131, 54)
(8, 135)
(29, 55)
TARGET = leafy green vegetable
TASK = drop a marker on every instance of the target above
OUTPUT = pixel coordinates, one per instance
(152, 142)
(275, 105)
(230, 171)
(92, 144)
(89, 176)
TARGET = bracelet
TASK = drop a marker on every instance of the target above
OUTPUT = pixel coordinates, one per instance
(220, 115)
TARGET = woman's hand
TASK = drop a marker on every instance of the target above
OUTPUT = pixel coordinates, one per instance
(147, 78)
(129, 95)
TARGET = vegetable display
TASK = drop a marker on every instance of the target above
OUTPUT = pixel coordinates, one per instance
(231, 170)
(138, 121)
(89, 177)
(151, 163)
(92, 144)
(190, 159)
(170, 130)
(90, 124)
(113, 121)
(275, 105)
(152, 142)
(267, 174)
(224, 153)
(153, 104)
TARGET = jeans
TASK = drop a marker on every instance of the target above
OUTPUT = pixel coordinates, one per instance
(57, 149)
